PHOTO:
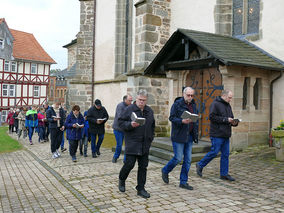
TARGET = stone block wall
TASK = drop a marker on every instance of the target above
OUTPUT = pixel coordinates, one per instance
(152, 29)
(158, 99)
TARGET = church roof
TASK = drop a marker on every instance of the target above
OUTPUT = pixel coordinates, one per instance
(225, 50)
(27, 47)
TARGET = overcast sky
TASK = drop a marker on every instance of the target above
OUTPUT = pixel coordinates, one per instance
(54, 23)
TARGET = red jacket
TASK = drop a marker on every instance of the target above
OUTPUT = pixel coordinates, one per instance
(10, 119)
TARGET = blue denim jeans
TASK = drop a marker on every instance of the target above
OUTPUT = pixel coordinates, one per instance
(119, 136)
(31, 132)
(218, 144)
(96, 145)
(181, 150)
(62, 142)
(41, 133)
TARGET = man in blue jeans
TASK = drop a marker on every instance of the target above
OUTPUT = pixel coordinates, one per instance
(118, 133)
(97, 116)
(183, 133)
(221, 122)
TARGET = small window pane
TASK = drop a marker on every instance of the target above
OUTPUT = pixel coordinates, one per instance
(253, 16)
(12, 91)
(5, 90)
(33, 68)
(237, 17)
(13, 66)
(6, 66)
(36, 91)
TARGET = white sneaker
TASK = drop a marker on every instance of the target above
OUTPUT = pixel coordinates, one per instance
(58, 154)
(54, 155)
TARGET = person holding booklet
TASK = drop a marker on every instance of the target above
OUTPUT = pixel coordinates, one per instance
(184, 132)
(221, 122)
(74, 124)
(97, 116)
(55, 116)
(138, 139)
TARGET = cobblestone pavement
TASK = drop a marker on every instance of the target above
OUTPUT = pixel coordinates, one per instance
(30, 181)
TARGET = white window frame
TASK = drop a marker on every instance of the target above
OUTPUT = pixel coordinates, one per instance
(7, 66)
(36, 91)
(13, 66)
(2, 43)
(5, 89)
(33, 68)
(12, 90)
(4, 115)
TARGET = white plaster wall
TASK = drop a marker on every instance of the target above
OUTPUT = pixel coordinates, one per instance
(105, 40)
(193, 15)
(111, 95)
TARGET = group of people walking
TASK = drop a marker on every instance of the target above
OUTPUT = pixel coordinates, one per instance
(138, 135)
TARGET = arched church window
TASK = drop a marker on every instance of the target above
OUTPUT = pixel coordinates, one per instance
(246, 17)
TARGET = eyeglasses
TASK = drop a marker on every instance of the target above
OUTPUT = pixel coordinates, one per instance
(189, 95)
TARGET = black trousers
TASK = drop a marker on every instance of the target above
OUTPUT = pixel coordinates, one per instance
(55, 138)
(73, 146)
(142, 169)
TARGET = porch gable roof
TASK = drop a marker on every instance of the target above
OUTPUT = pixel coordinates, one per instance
(225, 50)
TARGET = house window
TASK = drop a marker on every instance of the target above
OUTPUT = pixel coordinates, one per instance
(5, 90)
(51, 81)
(33, 69)
(7, 66)
(51, 93)
(256, 93)
(13, 66)
(36, 91)
(245, 92)
(246, 17)
(12, 90)
(4, 115)
(1, 43)
(57, 93)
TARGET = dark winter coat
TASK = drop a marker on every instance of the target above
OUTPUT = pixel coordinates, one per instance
(52, 123)
(137, 140)
(73, 133)
(16, 121)
(92, 115)
(180, 132)
(219, 113)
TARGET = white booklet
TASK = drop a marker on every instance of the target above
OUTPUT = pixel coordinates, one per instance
(192, 116)
(101, 119)
(136, 119)
(78, 125)
(55, 116)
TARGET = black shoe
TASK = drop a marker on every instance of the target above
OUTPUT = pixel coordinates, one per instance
(114, 160)
(165, 177)
(121, 185)
(198, 170)
(81, 153)
(85, 155)
(94, 155)
(63, 150)
(227, 177)
(143, 193)
(186, 186)
(98, 152)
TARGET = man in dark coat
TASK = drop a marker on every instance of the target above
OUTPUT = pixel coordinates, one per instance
(97, 116)
(221, 122)
(184, 132)
(55, 116)
(138, 139)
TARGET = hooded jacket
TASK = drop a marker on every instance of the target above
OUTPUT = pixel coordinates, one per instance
(180, 132)
(31, 118)
(219, 112)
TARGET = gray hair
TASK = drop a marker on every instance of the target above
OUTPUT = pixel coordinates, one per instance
(142, 92)
(187, 88)
(225, 92)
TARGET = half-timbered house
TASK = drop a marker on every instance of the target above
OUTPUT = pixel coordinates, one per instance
(24, 69)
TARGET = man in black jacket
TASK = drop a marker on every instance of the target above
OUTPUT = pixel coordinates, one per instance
(97, 116)
(221, 122)
(138, 139)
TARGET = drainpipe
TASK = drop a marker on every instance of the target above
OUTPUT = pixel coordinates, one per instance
(271, 100)
(126, 36)
(94, 48)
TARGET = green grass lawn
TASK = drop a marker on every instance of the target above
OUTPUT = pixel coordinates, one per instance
(8, 144)
(109, 141)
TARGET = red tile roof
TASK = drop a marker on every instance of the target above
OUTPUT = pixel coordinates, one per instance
(26, 47)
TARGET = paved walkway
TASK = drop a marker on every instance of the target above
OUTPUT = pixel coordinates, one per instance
(30, 181)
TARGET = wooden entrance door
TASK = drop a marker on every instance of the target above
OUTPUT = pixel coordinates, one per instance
(208, 85)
